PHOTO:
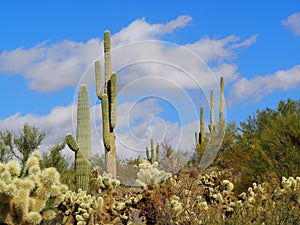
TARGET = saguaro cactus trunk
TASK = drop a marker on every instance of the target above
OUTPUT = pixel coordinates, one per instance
(222, 105)
(109, 105)
(81, 146)
(211, 126)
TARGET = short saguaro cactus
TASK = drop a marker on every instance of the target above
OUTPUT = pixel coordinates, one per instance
(81, 145)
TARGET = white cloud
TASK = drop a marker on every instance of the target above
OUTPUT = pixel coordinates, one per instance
(256, 88)
(62, 120)
(140, 30)
(56, 124)
(293, 23)
(246, 42)
(50, 67)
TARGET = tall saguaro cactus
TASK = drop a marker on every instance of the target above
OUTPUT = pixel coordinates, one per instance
(81, 145)
(109, 105)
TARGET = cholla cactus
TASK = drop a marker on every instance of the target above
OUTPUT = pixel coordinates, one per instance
(106, 183)
(290, 187)
(101, 208)
(151, 175)
(80, 208)
(30, 199)
(144, 164)
(291, 183)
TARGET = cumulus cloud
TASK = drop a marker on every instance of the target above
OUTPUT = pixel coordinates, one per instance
(52, 66)
(56, 124)
(137, 124)
(140, 30)
(293, 23)
(246, 42)
(256, 88)
(49, 67)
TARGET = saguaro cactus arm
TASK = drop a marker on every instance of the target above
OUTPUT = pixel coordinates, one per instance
(211, 126)
(202, 131)
(107, 58)
(113, 92)
(157, 153)
(148, 154)
(222, 100)
(152, 151)
(71, 142)
(98, 79)
(105, 121)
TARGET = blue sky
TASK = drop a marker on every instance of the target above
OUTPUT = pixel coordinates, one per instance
(47, 49)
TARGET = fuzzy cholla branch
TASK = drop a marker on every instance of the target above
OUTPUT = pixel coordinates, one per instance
(150, 174)
(32, 198)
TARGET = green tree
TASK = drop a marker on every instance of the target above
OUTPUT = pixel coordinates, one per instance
(54, 158)
(5, 147)
(23, 144)
(270, 140)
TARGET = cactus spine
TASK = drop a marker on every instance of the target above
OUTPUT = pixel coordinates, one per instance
(151, 158)
(109, 105)
(81, 146)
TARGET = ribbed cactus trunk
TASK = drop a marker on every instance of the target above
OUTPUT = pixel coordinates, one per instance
(222, 104)
(200, 137)
(202, 132)
(81, 146)
(211, 126)
(109, 106)
(157, 153)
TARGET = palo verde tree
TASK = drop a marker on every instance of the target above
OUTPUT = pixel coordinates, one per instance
(271, 139)
(5, 147)
(23, 144)
(54, 158)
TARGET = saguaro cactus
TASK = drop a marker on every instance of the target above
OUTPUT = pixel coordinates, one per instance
(200, 137)
(109, 106)
(157, 153)
(202, 132)
(151, 158)
(81, 146)
(222, 104)
(211, 126)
